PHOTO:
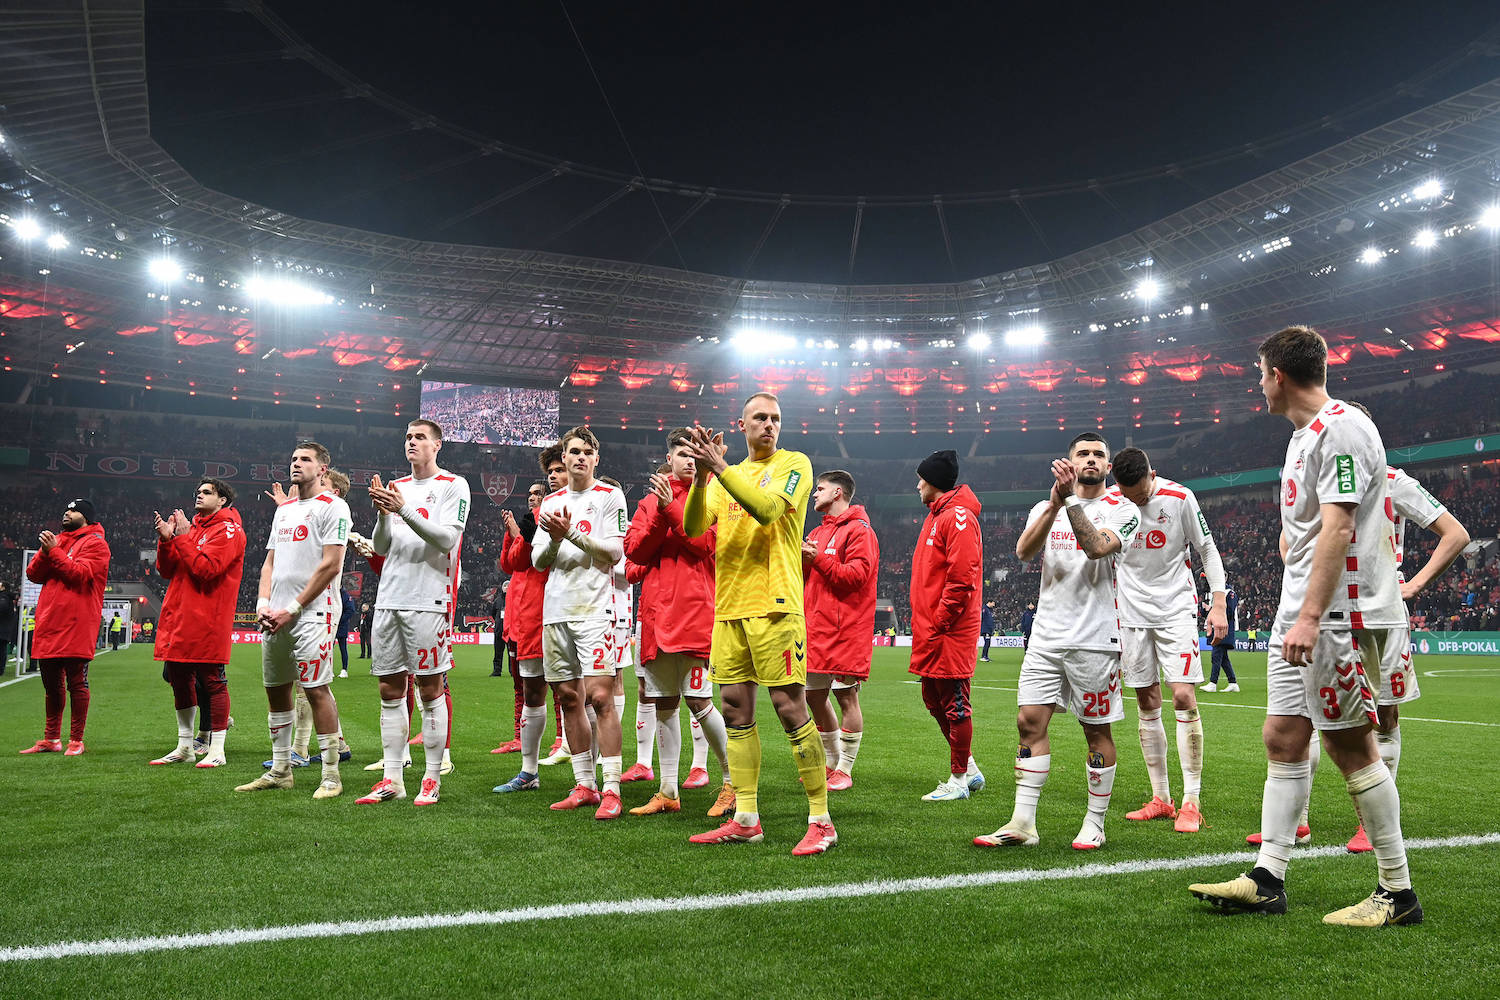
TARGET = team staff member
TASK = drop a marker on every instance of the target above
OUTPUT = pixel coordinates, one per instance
(760, 636)
(202, 563)
(946, 587)
(840, 564)
(72, 566)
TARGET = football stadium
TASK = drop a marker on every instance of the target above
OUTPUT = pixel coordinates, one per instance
(444, 422)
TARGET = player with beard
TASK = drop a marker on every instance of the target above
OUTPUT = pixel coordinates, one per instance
(1074, 655)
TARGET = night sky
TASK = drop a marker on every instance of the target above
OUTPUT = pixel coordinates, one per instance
(839, 100)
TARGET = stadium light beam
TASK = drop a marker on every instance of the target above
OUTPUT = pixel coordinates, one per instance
(1490, 217)
(1371, 255)
(861, 344)
(281, 292)
(979, 341)
(1025, 336)
(26, 228)
(1428, 189)
(163, 270)
(1148, 289)
(1425, 239)
(57, 241)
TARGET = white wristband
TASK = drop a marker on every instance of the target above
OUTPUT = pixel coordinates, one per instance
(262, 605)
(294, 609)
(1071, 500)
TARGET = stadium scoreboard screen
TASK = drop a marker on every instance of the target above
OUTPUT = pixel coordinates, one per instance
(492, 414)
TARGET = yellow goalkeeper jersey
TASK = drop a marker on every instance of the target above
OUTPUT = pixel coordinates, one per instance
(759, 567)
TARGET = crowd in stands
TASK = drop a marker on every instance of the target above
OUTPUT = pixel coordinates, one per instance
(1244, 522)
(485, 414)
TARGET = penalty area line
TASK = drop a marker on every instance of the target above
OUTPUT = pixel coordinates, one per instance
(677, 904)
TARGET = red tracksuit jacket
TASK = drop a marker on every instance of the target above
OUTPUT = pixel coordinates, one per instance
(947, 587)
(677, 578)
(838, 594)
(202, 568)
(523, 601)
(71, 604)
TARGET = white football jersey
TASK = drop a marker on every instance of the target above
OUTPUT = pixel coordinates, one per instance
(1409, 502)
(1077, 609)
(1153, 571)
(624, 605)
(1339, 458)
(299, 530)
(577, 590)
(417, 575)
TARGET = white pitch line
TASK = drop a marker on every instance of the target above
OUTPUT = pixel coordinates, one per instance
(678, 904)
(975, 687)
(17, 680)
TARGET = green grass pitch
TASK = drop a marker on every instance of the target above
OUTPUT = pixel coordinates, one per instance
(102, 846)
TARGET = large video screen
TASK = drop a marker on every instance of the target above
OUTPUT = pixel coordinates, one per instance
(492, 414)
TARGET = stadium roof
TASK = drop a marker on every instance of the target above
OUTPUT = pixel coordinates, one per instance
(1387, 241)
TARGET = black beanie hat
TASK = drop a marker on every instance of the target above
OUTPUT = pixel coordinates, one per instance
(940, 469)
(84, 507)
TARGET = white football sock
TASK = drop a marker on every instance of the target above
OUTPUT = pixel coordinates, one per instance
(848, 749)
(611, 766)
(533, 726)
(328, 744)
(216, 742)
(185, 728)
(304, 724)
(434, 732)
(1285, 794)
(1379, 808)
(1388, 742)
(715, 735)
(1190, 752)
(1154, 749)
(583, 769)
(700, 743)
(1314, 755)
(280, 725)
(669, 735)
(593, 717)
(1031, 775)
(830, 747)
(645, 732)
(973, 767)
(1101, 787)
(394, 729)
(620, 705)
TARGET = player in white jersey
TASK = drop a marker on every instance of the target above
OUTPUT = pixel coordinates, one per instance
(580, 538)
(1074, 655)
(1340, 600)
(1159, 627)
(1409, 502)
(298, 611)
(419, 527)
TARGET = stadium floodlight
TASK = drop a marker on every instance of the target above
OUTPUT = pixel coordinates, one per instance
(281, 292)
(979, 341)
(861, 344)
(1490, 217)
(1428, 189)
(57, 241)
(1148, 289)
(26, 228)
(1025, 336)
(164, 270)
(749, 340)
(1371, 255)
(1424, 239)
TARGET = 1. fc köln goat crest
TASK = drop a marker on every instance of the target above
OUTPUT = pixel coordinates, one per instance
(497, 486)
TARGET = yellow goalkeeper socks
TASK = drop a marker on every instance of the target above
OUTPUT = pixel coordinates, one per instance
(744, 767)
(807, 748)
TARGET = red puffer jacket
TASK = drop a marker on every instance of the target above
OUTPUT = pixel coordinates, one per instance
(202, 568)
(947, 587)
(677, 578)
(839, 594)
(72, 575)
(523, 601)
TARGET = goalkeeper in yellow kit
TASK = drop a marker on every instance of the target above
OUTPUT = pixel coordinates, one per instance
(760, 635)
